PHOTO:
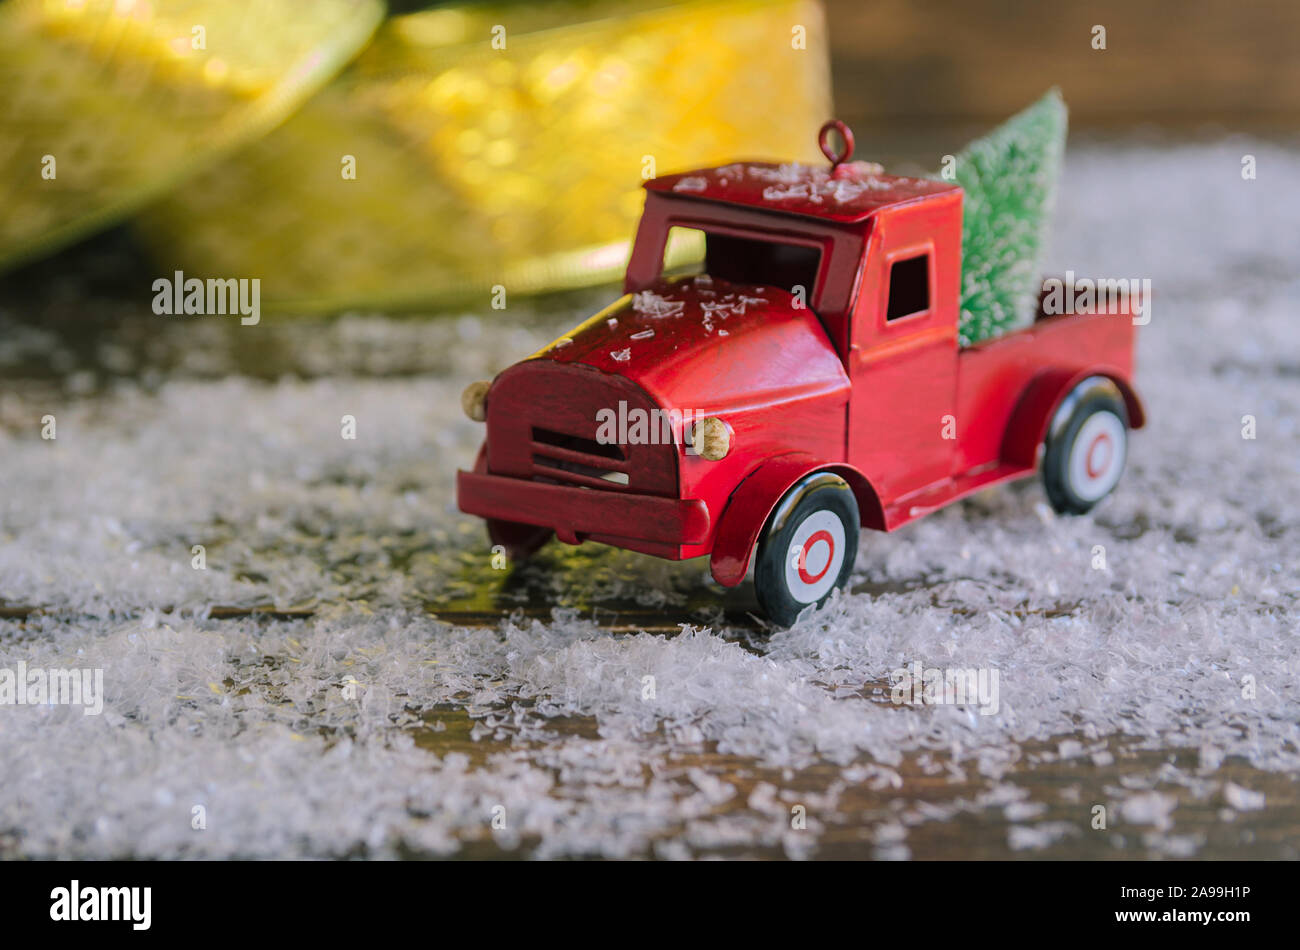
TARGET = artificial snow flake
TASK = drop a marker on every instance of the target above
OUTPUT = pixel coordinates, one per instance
(1242, 799)
(651, 304)
(787, 192)
(788, 173)
(844, 191)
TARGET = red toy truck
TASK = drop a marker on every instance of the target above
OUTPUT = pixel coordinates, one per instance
(808, 383)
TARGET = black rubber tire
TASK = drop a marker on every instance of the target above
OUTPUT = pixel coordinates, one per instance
(521, 541)
(821, 492)
(1091, 397)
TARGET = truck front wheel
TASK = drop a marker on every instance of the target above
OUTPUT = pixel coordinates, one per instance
(521, 541)
(808, 547)
(1087, 444)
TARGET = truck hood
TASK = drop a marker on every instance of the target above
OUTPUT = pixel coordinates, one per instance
(707, 345)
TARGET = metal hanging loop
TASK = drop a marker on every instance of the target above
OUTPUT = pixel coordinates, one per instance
(824, 141)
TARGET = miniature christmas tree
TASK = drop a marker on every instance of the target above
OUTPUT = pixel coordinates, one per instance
(1010, 180)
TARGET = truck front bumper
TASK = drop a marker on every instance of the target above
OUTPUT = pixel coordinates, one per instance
(574, 512)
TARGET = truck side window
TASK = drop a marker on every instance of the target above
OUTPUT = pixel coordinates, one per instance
(909, 287)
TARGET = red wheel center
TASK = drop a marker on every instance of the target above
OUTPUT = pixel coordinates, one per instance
(1099, 455)
(816, 537)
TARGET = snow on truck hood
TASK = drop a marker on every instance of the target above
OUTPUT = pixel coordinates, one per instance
(707, 344)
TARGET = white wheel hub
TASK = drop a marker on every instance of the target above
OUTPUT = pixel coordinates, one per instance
(815, 556)
(1097, 456)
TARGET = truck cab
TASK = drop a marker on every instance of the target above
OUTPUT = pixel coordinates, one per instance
(804, 383)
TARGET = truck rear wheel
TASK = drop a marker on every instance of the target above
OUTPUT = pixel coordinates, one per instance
(808, 547)
(1087, 445)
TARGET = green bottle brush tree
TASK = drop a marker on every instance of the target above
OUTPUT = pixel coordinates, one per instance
(1009, 177)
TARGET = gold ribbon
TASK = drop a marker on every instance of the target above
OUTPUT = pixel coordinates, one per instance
(108, 104)
(465, 148)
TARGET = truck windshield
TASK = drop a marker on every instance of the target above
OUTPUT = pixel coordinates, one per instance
(755, 261)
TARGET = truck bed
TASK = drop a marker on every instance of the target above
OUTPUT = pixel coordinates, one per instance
(992, 379)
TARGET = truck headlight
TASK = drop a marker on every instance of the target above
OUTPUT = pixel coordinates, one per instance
(474, 400)
(711, 438)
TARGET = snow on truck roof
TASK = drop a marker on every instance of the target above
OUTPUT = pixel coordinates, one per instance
(851, 192)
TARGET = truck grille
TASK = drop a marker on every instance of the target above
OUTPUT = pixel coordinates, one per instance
(542, 426)
(574, 460)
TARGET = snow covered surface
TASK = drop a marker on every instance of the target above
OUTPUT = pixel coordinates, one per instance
(370, 727)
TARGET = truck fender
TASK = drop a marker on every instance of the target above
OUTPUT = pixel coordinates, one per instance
(1039, 404)
(757, 495)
